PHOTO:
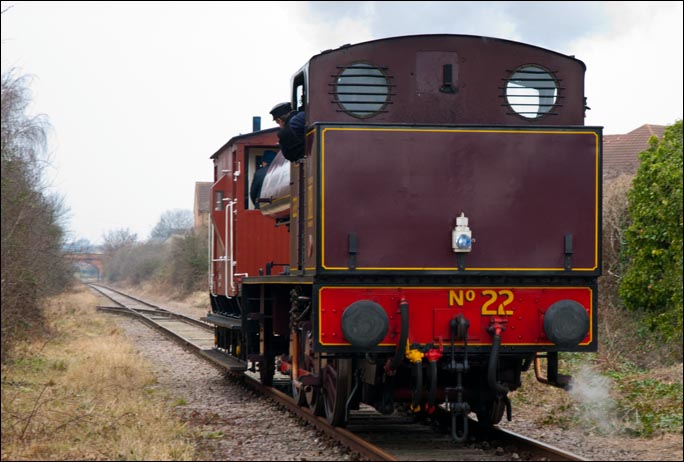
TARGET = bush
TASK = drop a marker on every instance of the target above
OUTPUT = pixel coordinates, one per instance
(177, 264)
(653, 241)
(188, 262)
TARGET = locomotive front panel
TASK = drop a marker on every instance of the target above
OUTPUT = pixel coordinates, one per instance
(553, 318)
(530, 199)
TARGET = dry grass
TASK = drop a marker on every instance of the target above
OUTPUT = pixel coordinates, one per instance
(162, 290)
(83, 393)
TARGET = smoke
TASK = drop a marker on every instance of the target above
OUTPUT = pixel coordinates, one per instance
(591, 392)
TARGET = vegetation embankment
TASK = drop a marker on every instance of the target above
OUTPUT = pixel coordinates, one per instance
(82, 393)
(174, 260)
(31, 231)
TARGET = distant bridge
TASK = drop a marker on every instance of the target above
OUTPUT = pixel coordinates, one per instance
(95, 259)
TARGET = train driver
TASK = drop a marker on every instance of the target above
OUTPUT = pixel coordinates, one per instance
(291, 134)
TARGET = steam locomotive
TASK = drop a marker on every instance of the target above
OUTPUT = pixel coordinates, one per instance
(440, 236)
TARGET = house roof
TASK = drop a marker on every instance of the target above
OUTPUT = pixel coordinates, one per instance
(621, 152)
(202, 196)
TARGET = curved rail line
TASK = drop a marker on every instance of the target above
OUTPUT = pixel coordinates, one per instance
(370, 434)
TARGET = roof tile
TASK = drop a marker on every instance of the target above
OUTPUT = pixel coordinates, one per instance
(621, 152)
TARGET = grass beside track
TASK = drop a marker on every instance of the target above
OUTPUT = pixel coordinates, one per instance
(80, 392)
(625, 401)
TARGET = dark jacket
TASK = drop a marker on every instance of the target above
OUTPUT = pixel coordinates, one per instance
(257, 182)
(291, 137)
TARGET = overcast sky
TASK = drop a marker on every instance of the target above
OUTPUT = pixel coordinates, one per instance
(140, 94)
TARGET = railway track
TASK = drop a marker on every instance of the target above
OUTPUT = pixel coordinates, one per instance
(370, 434)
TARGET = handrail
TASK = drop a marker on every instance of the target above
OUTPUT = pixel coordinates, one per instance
(229, 247)
(210, 253)
(225, 257)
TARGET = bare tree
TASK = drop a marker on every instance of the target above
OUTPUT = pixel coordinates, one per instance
(117, 239)
(31, 235)
(119, 246)
(172, 222)
(80, 246)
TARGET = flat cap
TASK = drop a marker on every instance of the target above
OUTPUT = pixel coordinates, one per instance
(280, 110)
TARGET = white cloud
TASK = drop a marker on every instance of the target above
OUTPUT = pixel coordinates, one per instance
(634, 67)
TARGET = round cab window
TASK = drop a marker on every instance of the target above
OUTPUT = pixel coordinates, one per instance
(362, 90)
(531, 91)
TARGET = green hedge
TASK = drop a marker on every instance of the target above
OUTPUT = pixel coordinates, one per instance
(653, 241)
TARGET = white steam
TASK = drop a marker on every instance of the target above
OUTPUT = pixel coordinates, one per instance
(591, 392)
